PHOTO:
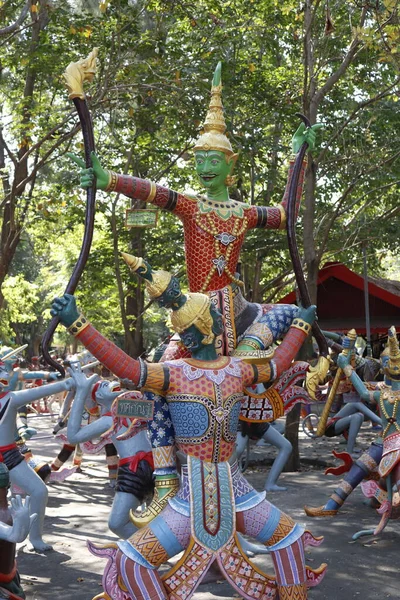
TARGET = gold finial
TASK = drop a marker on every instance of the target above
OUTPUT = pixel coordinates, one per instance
(156, 281)
(77, 73)
(133, 262)
(214, 137)
(394, 352)
(195, 311)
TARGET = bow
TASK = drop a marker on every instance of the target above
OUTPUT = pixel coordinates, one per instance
(322, 367)
(75, 75)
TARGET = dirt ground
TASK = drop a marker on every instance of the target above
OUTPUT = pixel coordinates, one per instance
(78, 510)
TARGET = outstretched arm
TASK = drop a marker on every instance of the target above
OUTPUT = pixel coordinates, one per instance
(25, 396)
(46, 375)
(133, 187)
(63, 414)
(142, 374)
(343, 362)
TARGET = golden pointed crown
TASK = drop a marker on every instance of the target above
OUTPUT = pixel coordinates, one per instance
(394, 353)
(214, 137)
(195, 311)
(156, 281)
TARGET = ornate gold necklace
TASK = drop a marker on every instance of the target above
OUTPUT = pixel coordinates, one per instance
(224, 239)
(392, 397)
(224, 209)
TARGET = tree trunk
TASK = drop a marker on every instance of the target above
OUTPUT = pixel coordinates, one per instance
(135, 304)
(11, 226)
(293, 418)
(256, 295)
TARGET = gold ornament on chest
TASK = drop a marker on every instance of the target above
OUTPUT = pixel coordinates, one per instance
(223, 245)
(392, 397)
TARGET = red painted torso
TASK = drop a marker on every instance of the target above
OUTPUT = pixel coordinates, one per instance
(205, 404)
(202, 249)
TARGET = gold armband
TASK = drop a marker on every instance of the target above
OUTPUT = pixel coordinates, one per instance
(250, 343)
(302, 325)
(282, 224)
(152, 193)
(79, 325)
(112, 181)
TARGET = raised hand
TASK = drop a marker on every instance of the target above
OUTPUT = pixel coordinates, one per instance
(343, 360)
(89, 175)
(65, 308)
(305, 134)
(308, 314)
(82, 383)
(22, 520)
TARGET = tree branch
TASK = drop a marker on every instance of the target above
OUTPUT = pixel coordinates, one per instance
(352, 116)
(345, 194)
(11, 28)
(3, 142)
(19, 188)
(330, 82)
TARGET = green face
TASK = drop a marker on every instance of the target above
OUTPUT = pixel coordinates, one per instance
(212, 169)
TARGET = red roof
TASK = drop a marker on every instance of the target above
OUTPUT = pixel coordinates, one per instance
(340, 300)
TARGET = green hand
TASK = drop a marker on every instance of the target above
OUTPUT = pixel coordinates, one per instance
(65, 308)
(87, 175)
(307, 314)
(304, 134)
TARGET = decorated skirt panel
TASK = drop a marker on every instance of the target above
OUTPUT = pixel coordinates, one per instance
(212, 507)
(391, 443)
(245, 496)
(391, 454)
(209, 450)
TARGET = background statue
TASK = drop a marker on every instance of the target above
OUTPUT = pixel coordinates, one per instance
(21, 474)
(14, 527)
(135, 469)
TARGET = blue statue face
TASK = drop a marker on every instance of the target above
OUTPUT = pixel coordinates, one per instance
(106, 392)
(171, 294)
(384, 361)
(192, 338)
(9, 364)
